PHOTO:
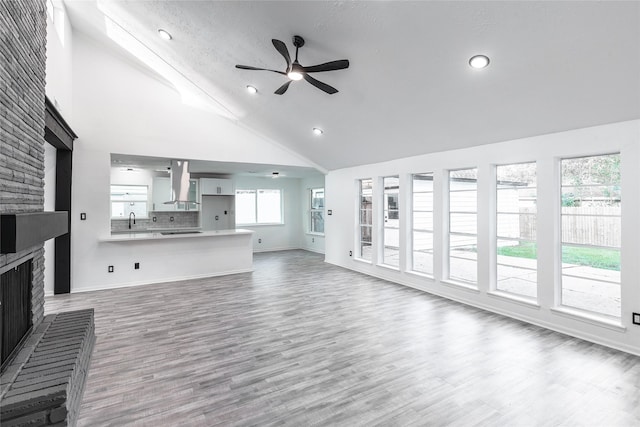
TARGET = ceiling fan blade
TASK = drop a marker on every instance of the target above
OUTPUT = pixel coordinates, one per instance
(282, 89)
(247, 67)
(322, 86)
(282, 48)
(328, 66)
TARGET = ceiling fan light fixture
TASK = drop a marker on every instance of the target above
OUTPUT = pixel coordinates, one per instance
(295, 73)
(252, 89)
(317, 131)
(164, 35)
(479, 61)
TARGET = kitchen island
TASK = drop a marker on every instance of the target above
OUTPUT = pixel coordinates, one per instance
(143, 257)
(132, 236)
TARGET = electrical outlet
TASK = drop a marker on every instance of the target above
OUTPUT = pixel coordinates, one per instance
(110, 269)
(329, 212)
(636, 318)
(313, 240)
(259, 240)
(350, 253)
(154, 219)
(171, 218)
(136, 266)
(83, 216)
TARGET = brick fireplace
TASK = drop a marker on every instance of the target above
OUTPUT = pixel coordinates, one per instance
(42, 381)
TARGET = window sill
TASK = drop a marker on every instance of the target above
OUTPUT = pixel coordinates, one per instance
(419, 274)
(460, 285)
(389, 267)
(527, 302)
(591, 318)
(260, 225)
(314, 234)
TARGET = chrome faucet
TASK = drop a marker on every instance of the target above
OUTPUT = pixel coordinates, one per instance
(134, 219)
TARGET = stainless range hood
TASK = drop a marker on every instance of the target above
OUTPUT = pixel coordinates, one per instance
(179, 182)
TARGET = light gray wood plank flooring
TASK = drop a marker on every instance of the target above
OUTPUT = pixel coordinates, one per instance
(300, 342)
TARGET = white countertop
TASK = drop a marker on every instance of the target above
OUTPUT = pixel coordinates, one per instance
(156, 235)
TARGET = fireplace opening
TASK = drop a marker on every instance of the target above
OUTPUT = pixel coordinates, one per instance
(15, 309)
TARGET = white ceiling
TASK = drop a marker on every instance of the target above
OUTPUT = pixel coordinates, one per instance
(161, 164)
(555, 66)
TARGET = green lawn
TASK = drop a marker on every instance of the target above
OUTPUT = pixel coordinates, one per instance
(608, 259)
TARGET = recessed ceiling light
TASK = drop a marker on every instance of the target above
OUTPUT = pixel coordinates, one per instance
(317, 131)
(251, 89)
(479, 61)
(275, 174)
(164, 34)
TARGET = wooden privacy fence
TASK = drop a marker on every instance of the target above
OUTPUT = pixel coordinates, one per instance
(597, 226)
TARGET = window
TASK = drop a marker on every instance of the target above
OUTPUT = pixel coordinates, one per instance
(591, 233)
(463, 224)
(391, 236)
(259, 206)
(422, 234)
(516, 250)
(129, 198)
(316, 224)
(365, 201)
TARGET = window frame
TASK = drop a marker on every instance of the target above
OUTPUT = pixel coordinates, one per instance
(360, 225)
(144, 200)
(497, 237)
(385, 215)
(431, 231)
(255, 191)
(473, 284)
(313, 210)
(560, 302)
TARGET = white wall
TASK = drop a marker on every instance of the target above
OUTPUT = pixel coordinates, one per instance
(49, 205)
(276, 237)
(59, 61)
(545, 150)
(310, 242)
(59, 69)
(120, 109)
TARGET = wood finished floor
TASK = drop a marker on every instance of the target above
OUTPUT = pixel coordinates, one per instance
(300, 342)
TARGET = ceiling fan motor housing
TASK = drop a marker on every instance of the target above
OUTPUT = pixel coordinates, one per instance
(298, 41)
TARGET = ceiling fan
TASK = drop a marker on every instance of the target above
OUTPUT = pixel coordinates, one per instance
(295, 71)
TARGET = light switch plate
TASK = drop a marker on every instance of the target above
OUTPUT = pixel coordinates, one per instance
(329, 212)
(636, 318)
(83, 216)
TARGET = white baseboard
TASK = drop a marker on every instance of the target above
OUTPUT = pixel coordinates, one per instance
(165, 280)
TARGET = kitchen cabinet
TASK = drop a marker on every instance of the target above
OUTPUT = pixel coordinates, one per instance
(216, 187)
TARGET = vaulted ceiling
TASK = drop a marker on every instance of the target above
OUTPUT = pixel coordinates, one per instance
(409, 90)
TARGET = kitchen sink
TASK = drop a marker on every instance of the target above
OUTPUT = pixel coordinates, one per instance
(169, 233)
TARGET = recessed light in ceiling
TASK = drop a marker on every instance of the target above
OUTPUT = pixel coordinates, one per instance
(164, 34)
(479, 61)
(317, 131)
(251, 89)
(275, 174)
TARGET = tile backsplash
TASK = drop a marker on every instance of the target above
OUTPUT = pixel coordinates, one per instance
(163, 220)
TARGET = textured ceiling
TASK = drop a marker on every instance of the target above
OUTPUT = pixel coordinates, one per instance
(554, 66)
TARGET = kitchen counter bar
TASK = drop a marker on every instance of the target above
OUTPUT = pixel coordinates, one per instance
(139, 258)
(135, 236)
